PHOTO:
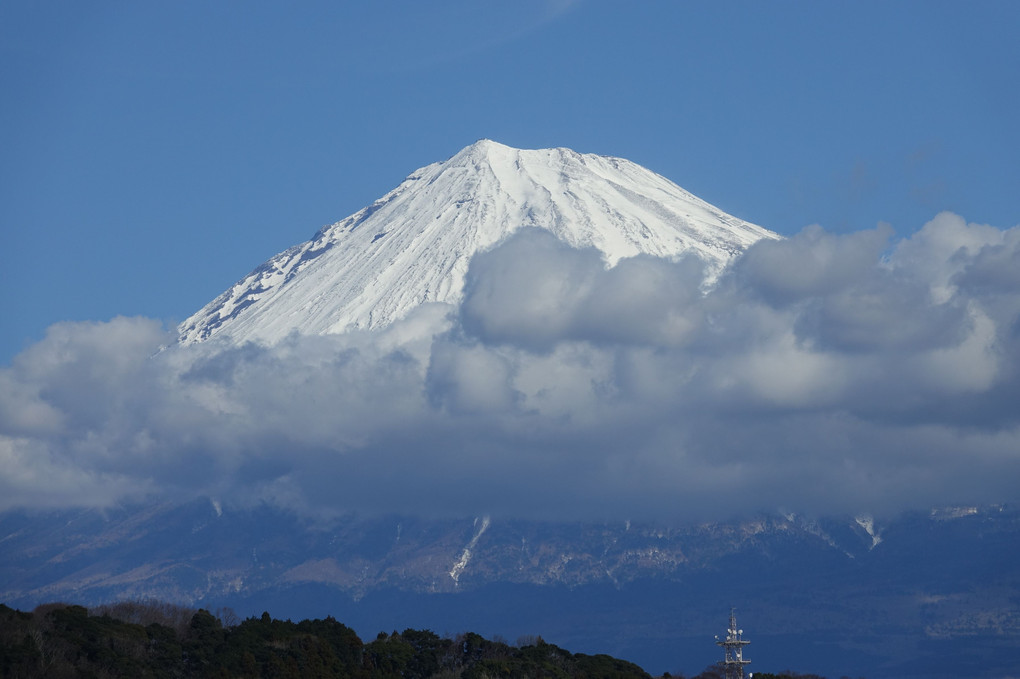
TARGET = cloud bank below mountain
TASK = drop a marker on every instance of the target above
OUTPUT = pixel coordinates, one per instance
(821, 374)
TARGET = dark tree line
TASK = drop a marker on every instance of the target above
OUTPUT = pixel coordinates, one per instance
(59, 641)
(163, 641)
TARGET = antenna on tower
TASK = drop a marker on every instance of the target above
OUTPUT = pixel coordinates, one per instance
(733, 647)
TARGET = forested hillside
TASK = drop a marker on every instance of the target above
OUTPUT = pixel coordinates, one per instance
(158, 640)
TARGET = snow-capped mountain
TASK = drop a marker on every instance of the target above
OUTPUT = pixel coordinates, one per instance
(413, 245)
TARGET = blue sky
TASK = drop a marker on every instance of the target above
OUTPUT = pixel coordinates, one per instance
(153, 153)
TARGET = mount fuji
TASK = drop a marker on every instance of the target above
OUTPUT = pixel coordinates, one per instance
(412, 246)
(477, 479)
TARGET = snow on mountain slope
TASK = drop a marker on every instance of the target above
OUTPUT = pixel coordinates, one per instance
(413, 245)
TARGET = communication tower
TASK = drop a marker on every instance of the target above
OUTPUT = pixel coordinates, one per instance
(733, 645)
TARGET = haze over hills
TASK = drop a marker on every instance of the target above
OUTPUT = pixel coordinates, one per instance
(412, 246)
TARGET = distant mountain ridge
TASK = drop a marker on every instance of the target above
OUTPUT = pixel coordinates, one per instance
(412, 246)
(936, 583)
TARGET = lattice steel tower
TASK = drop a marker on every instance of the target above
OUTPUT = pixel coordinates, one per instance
(733, 644)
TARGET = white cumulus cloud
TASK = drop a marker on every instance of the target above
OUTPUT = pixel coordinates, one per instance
(822, 373)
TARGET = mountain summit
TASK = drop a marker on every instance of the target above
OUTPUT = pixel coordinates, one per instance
(413, 245)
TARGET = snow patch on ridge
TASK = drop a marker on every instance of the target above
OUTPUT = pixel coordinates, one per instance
(866, 522)
(949, 513)
(465, 556)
